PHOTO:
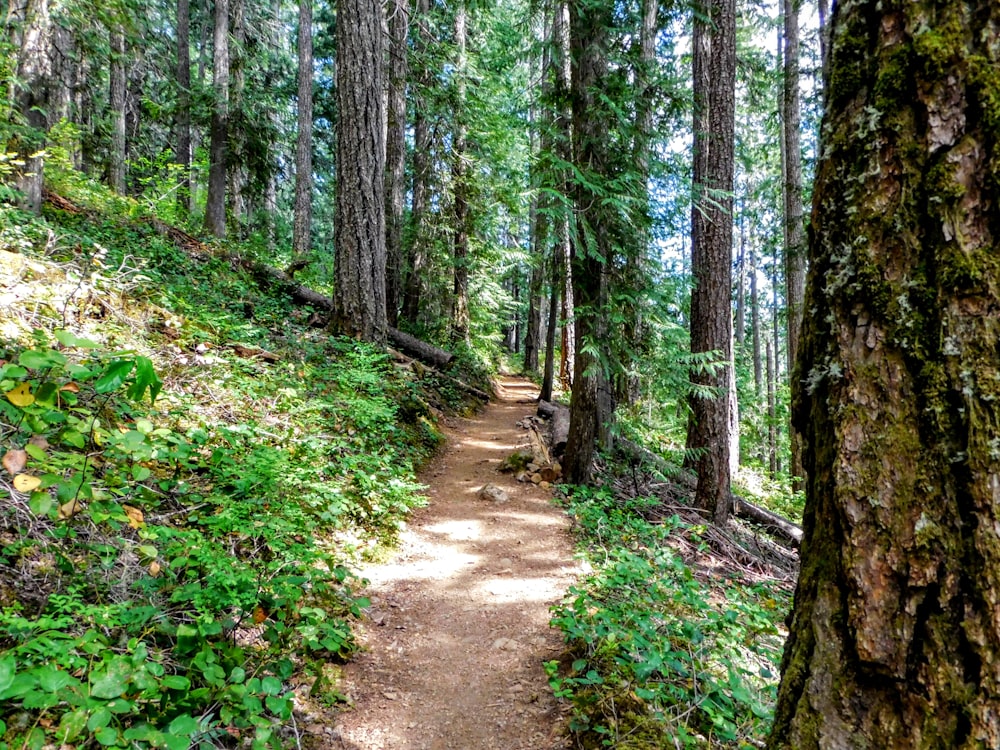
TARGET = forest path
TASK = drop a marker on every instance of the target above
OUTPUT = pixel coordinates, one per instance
(459, 624)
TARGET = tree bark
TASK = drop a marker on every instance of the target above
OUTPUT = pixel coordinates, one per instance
(795, 263)
(895, 640)
(236, 171)
(421, 172)
(395, 177)
(460, 187)
(31, 98)
(302, 210)
(591, 409)
(116, 106)
(772, 412)
(359, 234)
(215, 204)
(548, 373)
(184, 105)
(758, 379)
(564, 148)
(711, 235)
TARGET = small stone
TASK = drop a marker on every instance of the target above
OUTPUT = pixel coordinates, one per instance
(544, 485)
(493, 493)
(522, 477)
(536, 478)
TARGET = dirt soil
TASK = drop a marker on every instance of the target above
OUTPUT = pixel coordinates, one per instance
(459, 624)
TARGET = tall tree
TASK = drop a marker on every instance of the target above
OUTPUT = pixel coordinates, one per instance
(302, 209)
(32, 38)
(795, 264)
(894, 639)
(359, 225)
(395, 176)
(711, 251)
(591, 408)
(236, 171)
(420, 193)
(116, 104)
(215, 205)
(460, 183)
(183, 118)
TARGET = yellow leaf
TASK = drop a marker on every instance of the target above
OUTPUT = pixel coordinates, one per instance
(26, 483)
(70, 509)
(20, 395)
(134, 516)
(154, 568)
(14, 461)
(259, 615)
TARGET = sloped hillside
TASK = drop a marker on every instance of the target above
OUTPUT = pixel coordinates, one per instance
(189, 465)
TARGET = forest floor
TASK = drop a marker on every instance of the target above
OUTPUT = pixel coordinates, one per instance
(459, 623)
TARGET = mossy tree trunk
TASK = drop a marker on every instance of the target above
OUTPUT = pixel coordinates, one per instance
(714, 69)
(359, 232)
(895, 638)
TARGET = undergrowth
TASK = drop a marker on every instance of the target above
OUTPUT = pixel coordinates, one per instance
(188, 471)
(662, 654)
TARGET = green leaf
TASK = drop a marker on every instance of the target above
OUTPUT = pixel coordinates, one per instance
(99, 719)
(114, 375)
(52, 679)
(107, 736)
(7, 669)
(145, 378)
(40, 360)
(270, 685)
(113, 681)
(184, 724)
(35, 452)
(176, 682)
(238, 675)
(68, 339)
(72, 724)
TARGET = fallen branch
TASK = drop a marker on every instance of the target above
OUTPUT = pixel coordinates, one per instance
(421, 370)
(783, 529)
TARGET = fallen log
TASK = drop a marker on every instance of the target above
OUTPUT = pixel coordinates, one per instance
(418, 349)
(780, 527)
(411, 345)
(558, 416)
(421, 370)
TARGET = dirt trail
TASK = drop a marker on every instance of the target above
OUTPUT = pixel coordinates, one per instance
(459, 622)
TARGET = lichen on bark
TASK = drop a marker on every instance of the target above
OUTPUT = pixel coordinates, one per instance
(895, 640)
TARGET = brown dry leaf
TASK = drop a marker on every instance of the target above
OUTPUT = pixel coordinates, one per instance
(39, 442)
(70, 509)
(21, 395)
(154, 569)
(71, 387)
(26, 483)
(259, 615)
(135, 519)
(14, 461)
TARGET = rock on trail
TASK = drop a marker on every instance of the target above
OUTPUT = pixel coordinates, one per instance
(459, 622)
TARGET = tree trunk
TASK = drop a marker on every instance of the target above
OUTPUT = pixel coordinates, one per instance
(31, 95)
(302, 211)
(548, 373)
(421, 172)
(795, 263)
(359, 233)
(236, 171)
(533, 332)
(215, 204)
(564, 148)
(116, 106)
(591, 410)
(711, 234)
(183, 136)
(460, 186)
(895, 640)
(741, 285)
(758, 379)
(395, 186)
(772, 412)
